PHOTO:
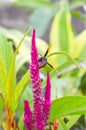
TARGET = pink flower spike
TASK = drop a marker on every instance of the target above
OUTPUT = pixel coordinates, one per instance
(34, 71)
(27, 116)
(47, 93)
(47, 100)
(39, 121)
(35, 76)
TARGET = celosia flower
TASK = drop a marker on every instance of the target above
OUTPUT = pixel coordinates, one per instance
(38, 118)
(35, 77)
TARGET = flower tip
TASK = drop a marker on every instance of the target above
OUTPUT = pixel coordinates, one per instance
(34, 32)
(48, 75)
(26, 102)
(33, 37)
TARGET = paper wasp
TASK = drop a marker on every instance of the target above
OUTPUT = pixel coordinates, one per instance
(43, 60)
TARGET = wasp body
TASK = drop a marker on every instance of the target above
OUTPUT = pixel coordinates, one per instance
(43, 60)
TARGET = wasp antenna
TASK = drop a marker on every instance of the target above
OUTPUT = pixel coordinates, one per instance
(47, 51)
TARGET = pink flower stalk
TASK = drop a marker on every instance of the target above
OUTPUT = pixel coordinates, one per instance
(47, 100)
(34, 70)
(41, 106)
(27, 116)
(35, 77)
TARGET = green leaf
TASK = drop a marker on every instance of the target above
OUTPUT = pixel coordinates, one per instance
(40, 13)
(3, 76)
(21, 86)
(32, 3)
(11, 83)
(72, 120)
(11, 79)
(6, 50)
(61, 35)
(68, 106)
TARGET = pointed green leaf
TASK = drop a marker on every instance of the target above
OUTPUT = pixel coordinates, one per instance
(11, 80)
(61, 35)
(21, 86)
(68, 106)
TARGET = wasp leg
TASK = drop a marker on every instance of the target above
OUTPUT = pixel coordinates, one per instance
(50, 65)
(53, 67)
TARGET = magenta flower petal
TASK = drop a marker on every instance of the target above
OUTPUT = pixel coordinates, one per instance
(27, 116)
(47, 100)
